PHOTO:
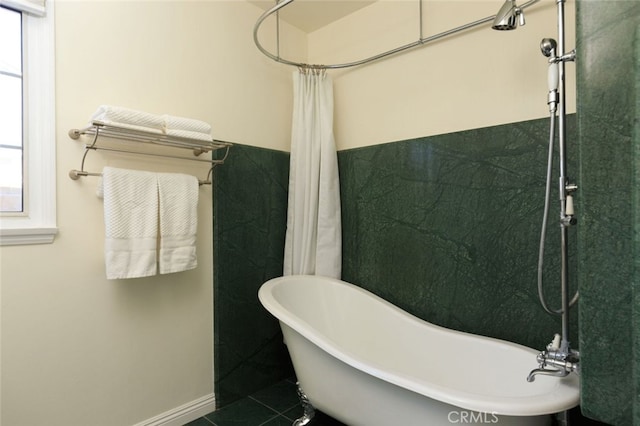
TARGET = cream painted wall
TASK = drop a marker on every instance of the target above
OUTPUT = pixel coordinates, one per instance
(78, 349)
(470, 80)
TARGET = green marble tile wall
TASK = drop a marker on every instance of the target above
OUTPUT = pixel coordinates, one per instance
(250, 199)
(447, 228)
(608, 92)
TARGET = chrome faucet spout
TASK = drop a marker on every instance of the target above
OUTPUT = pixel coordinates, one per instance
(547, 372)
(558, 359)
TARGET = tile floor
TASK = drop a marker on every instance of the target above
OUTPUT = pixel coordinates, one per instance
(277, 405)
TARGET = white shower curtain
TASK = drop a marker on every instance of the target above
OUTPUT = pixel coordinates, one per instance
(313, 244)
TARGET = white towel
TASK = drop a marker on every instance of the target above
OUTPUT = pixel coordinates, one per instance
(131, 222)
(129, 118)
(129, 126)
(178, 222)
(205, 137)
(171, 122)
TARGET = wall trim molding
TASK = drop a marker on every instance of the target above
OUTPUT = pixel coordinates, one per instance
(184, 413)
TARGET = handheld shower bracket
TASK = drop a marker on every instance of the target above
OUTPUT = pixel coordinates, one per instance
(567, 57)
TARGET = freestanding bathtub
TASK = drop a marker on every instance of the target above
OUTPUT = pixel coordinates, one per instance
(364, 361)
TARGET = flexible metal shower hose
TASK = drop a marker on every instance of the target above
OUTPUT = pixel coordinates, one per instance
(545, 216)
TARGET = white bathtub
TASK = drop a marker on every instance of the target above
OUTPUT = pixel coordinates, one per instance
(366, 362)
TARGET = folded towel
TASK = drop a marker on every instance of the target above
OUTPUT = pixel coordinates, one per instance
(178, 195)
(130, 126)
(171, 122)
(129, 118)
(131, 222)
(205, 137)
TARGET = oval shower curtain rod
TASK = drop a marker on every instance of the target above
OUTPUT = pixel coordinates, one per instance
(421, 41)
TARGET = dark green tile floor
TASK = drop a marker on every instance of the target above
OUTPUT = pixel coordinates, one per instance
(278, 405)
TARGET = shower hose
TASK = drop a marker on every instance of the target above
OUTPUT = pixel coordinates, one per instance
(545, 216)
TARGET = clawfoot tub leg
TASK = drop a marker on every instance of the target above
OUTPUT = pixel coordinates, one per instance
(309, 411)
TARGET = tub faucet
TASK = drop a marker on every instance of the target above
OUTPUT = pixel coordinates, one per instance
(556, 360)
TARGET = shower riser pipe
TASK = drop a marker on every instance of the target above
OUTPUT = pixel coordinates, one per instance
(562, 137)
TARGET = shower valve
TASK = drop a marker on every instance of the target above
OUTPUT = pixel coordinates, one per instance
(556, 361)
(568, 217)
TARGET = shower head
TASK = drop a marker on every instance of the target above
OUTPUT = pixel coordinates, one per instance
(507, 17)
(548, 47)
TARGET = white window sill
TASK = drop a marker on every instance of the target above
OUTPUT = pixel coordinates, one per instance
(14, 237)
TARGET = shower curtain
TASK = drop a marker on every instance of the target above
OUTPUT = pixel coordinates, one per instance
(313, 243)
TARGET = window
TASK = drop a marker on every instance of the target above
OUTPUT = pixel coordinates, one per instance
(11, 165)
(27, 123)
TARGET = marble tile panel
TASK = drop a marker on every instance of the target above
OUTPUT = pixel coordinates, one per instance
(447, 228)
(250, 192)
(607, 69)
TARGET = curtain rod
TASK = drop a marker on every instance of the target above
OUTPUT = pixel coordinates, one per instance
(420, 42)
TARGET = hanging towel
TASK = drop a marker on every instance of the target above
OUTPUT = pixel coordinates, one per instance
(131, 222)
(129, 118)
(178, 195)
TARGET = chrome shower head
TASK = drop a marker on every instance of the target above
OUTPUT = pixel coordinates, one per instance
(507, 17)
(548, 47)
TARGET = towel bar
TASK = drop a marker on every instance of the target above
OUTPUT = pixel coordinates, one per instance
(108, 130)
(77, 174)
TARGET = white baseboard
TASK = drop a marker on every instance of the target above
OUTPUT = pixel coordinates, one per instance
(183, 414)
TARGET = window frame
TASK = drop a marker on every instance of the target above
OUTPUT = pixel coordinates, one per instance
(37, 224)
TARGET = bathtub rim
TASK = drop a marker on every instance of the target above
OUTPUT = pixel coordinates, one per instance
(564, 393)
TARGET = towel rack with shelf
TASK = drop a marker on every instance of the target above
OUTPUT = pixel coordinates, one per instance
(99, 129)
